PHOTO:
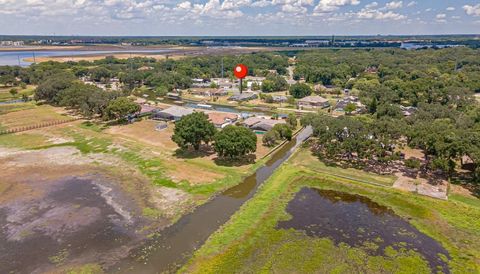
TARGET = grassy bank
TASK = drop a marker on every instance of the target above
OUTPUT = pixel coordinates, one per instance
(250, 242)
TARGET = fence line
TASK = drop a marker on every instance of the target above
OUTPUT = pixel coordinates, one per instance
(37, 126)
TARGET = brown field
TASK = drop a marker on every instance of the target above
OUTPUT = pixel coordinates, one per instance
(144, 131)
(33, 116)
(91, 58)
(176, 53)
(30, 48)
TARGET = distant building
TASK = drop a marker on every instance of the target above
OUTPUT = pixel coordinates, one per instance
(279, 98)
(145, 68)
(146, 109)
(174, 113)
(222, 82)
(408, 111)
(254, 80)
(201, 83)
(246, 96)
(209, 92)
(173, 96)
(12, 43)
(372, 70)
(313, 102)
(317, 43)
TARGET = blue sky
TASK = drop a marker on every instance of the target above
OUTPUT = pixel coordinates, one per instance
(238, 17)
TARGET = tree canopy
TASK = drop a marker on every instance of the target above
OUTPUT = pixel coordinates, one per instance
(193, 129)
(121, 107)
(300, 90)
(235, 141)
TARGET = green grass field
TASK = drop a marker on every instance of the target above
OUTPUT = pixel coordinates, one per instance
(249, 242)
(5, 94)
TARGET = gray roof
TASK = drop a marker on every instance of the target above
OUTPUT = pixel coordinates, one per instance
(314, 100)
(176, 111)
(243, 96)
(257, 123)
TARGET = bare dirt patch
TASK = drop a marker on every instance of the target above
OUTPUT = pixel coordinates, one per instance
(421, 185)
(180, 170)
(412, 153)
(144, 131)
(75, 218)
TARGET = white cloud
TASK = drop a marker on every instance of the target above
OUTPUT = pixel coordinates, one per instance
(333, 5)
(235, 4)
(450, 8)
(185, 5)
(293, 9)
(379, 15)
(372, 5)
(411, 4)
(261, 3)
(472, 10)
(394, 5)
(441, 18)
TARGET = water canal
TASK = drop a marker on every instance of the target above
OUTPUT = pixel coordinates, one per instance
(176, 244)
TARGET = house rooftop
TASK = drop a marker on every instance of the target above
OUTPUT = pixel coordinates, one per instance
(313, 99)
(261, 123)
(177, 111)
(220, 118)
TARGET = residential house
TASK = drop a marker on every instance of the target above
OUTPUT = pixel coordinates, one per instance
(208, 92)
(221, 119)
(201, 83)
(146, 109)
(279, 98)
(261, 124)
(246, 96)
(174, 113)
(313, 102)
(222, 82)
(408, 111)
(174, 96)
(250, 80)
(342, 103)
(145, 68)
(371, 70)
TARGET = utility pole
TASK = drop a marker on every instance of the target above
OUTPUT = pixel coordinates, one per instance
(34, 59)
(222, 67)
(18, 57)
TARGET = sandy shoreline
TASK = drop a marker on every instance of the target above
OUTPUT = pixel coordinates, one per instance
(99, 47)
(174, 53)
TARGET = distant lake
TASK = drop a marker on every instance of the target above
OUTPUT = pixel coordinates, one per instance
(15, 58)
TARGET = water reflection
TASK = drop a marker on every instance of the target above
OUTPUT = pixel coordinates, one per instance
(355, 220)
(177, 242)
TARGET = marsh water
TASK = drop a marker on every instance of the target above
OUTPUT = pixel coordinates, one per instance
(176, 244)
(355, 220)
(73, 220)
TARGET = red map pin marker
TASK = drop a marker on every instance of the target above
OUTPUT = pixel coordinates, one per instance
(240, 71)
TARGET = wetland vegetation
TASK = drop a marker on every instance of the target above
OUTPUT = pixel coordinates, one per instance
(257, 238)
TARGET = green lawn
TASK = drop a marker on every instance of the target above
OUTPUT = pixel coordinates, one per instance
(307, 160)
(250, 243)
(5, 94)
